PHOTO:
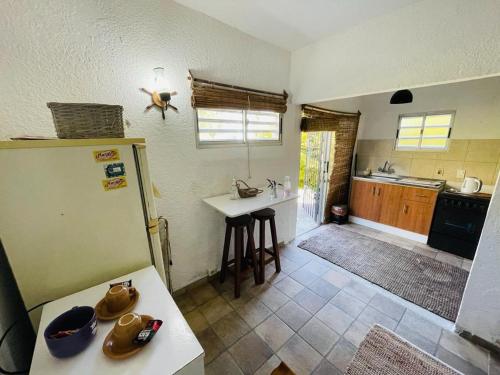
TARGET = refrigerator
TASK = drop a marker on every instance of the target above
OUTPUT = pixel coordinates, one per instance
(75, 213)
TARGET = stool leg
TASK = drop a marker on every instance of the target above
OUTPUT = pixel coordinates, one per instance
(251, 248)
(262, 246)
(225, 254)
(238, 251)
(275, 245)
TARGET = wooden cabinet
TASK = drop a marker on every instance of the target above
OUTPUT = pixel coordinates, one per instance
(415, 216)
(405, 207)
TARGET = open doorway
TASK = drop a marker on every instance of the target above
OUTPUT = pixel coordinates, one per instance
(313, 179)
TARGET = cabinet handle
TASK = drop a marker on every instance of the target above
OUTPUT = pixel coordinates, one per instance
(373, 190)
(405, 208)
(378, 193)
(421, 195)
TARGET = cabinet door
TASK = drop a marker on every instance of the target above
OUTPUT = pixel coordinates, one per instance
(390, 203)
(415, 216)
(362, 198)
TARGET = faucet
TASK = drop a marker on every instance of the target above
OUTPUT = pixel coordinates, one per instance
(387, 168)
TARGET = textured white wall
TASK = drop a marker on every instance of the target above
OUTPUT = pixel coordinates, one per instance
(479, 312)
(476, 102)
(424, 43)
(103, 51)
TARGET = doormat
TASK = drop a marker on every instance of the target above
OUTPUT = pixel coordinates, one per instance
(434, 285)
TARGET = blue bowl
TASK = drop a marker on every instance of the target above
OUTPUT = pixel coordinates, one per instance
(81, 318)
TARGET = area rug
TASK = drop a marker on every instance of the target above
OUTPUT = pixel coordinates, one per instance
(434, 285)
(384, 353)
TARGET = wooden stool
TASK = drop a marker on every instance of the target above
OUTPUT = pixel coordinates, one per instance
(262, 216)
(238, 223)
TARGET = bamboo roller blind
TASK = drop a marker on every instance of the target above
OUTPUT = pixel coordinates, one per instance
(207, 94)
(345, 128)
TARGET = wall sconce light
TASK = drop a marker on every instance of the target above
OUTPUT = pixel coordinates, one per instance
(161, 96)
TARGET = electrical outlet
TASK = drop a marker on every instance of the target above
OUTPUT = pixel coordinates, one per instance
(439, 171)
(461, 173)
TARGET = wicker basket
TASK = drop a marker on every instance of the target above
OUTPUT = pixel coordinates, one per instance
(82, 120)
(247, 192)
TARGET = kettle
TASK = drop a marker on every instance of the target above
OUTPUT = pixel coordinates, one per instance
(471, 185)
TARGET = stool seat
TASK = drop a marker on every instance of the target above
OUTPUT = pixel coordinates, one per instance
(265, 213)
(239, 221)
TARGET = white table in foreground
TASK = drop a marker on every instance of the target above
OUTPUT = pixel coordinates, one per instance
(237, 207)
(174, 349)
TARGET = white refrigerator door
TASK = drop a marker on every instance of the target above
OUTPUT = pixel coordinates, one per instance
(61, 230)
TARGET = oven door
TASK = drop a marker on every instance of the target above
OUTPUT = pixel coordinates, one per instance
(459, 219)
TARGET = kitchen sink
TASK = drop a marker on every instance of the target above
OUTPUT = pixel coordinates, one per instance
(405, 180)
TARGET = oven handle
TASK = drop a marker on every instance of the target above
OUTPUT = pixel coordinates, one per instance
(467, 227)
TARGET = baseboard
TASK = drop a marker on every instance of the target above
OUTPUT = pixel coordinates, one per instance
(388, 229)
(478, 340)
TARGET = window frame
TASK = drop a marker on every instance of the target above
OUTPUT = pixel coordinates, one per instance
(424, 115)
(244, 142)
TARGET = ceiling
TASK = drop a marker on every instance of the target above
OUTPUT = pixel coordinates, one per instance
(292, 24)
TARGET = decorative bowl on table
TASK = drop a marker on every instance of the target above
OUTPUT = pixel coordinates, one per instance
(71, 332)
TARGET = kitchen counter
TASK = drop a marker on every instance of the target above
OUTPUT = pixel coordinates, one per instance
(405, 181)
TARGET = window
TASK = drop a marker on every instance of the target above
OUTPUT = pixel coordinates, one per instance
(229, 126)
(424, 131)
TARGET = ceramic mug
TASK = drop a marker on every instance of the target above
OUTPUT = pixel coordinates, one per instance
(118, 297)
(125, 330)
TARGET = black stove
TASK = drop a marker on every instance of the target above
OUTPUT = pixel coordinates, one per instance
(458, 221)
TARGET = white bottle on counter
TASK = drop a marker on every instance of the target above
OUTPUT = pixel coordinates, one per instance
(287, 187)
(234, 190)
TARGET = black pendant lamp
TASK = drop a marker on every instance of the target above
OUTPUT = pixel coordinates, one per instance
(402, 97)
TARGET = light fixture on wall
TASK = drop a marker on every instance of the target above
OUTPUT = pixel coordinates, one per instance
(402, 97)
(160, 96)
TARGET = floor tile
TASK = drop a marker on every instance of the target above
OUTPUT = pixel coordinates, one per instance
(310, 301)
(326, 368)
(316, 268)
(335, 318)
(230, 328)
(288, 265)
(457, 363)
(417, 323)
(272, 297)
(336, 278)
(360, 291)
(467, 264)
(449, 258)
(250, 353)
(424, 251)
(356, 332)
(387, 306)
(303, 276)
(196, 321)
(223, 365)
(371, 316)
(253, 312)
(324, 288)
(274, 332)
(319, 336)
(416, 339)
(271, 276)
(299, 355)
(459, 346)
(289, 286)
(293, 315)
(215, 309)
(341, 354)
(245, 296)
(298, 256)
(494, 368)
(211, 344)
(185, 303)
(349, 304)
(203, 293)
(268, 366)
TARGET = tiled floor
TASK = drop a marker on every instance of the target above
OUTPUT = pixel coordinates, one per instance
(313, 315)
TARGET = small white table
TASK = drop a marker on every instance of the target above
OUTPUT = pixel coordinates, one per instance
(174, 349)
(237, 207)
